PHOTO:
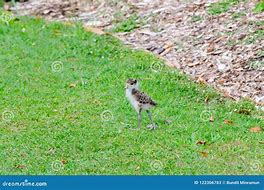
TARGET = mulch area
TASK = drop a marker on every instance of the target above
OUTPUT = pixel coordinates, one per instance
(224, 51)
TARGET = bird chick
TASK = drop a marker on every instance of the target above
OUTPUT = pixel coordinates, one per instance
(139, 100)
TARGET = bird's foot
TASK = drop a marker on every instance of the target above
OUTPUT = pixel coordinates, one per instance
(151, 127)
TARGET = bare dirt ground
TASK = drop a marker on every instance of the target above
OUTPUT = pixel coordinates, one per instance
(224, 50)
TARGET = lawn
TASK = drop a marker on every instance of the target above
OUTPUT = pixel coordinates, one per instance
(222, 6)
(64, 110)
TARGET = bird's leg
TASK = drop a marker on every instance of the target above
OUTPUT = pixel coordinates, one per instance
(150, 117)
(139, 118)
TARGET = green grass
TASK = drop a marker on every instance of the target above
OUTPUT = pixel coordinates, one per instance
(51, 126)
(238, 15)
(196, 18)
(1, 3)
(251, 37)
(127, 25)
(221, 6)
(259, 7)
(260, 23)
(254, 36)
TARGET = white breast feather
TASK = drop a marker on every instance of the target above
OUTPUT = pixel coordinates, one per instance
(132, 99)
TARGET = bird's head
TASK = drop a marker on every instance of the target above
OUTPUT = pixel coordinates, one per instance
(132, 84)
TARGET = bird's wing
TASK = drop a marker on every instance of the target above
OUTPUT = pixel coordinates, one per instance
(143, 98)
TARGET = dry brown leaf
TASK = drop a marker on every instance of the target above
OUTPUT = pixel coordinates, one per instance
(169, 45)
(210, 47)
(201, 142)
(201, 80)
(20, 166)
(194, 64)
(206, 100)
(244, 111)
(64, 161)
(241, 36)
(260, 103)
(204, 154)
(226, 94)
(221, 81)
(256, 129)
(229, 122)
(72, 85)
(211, 119)
(167, 50)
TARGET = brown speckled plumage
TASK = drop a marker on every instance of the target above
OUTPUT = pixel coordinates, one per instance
(143, 98)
